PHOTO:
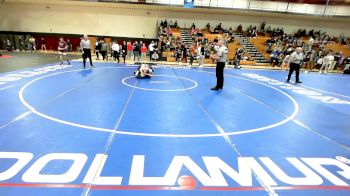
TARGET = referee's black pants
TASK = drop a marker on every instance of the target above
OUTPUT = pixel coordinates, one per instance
(220, 74)
(87, 54)
(294, 67)
(116, 55)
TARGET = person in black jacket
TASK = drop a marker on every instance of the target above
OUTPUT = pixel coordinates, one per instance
(136, 50)
(98, 46)
(123, 51)
(184, 53)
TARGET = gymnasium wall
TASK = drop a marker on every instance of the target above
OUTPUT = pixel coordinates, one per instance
(141, 23)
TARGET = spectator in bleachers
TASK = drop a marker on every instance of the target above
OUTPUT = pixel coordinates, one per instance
(238, 57)
(199, 33)
(340, 59)
(311, 43)
(169, 32)
(184, 53)
(327, 60)
(155, 55)
(239, 28)
(193, 26)
(285, 61)
(175, 24)
(207, 27)
(319, 62)
(276, 57)
(262, 27)
(347, 65)
(310, 59)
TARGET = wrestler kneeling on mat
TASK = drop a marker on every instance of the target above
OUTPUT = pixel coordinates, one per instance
(144, 71)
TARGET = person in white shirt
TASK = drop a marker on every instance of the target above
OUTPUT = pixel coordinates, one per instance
(85, 47)
(296, 58)
(115, 49)
(200, 54)
(327, 61)
(151, 49)
(221, 58)
(311, 43)
(285, 62)
(143, 71)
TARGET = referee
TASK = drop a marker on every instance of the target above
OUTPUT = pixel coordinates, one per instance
(296, 58)
(221, 56)
(85, 46)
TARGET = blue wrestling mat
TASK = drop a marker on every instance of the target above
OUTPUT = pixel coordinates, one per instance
(68, 131)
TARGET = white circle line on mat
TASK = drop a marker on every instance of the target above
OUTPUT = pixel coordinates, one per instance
(35, 111)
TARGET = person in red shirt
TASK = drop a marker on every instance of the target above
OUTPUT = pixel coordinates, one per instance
(143, 52)
(129, 49)
(62, 50)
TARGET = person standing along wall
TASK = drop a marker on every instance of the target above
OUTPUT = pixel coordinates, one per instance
(143, 52)
(32, 44)
(97, 47)
(9, 45)
(115, 49)
(70, 46)
(136, 51)
(200, 55)
(124, 50)
(43, 44)
(151, 49)
(129, 49)
(104, 49)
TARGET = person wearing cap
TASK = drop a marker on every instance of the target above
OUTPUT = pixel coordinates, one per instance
(296, 58)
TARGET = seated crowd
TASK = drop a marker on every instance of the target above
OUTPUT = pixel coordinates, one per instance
(281, 45)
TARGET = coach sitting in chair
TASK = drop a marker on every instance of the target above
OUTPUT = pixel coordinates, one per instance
(144, 71)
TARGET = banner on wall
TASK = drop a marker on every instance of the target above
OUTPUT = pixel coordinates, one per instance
(188, 3)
